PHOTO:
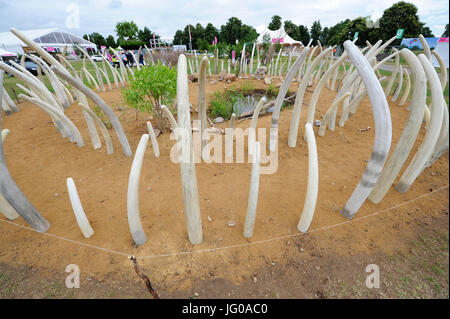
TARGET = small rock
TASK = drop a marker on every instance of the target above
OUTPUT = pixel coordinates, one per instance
(220, 238)
(267, 81)
(149, 188)
(301, 249)
(56, 195)
(209, 219)
(231, 223)
(317, 268)
(219, 119)
(317, 123)
(255, 279)
(195, 294)
(100, 169)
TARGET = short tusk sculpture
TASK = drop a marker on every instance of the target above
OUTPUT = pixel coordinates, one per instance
(410, 131)
(134, 219)
(431, 136)
(253, 123)
(78, 210)
(12, 193)
(5, 134)
(313, 181)
(153, 138)
(426, 48)
(443, 76)
(399, 86)
(104, 107)
(327, 116)
(253, 194)
(280, 97)
(388, 88)
(187, 166)
(103, 129)
(201, 97)
(5, 207)
(10, 102)
(169, 115)
(383, 131)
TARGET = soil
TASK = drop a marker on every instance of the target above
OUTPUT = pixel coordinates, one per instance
(225, 264)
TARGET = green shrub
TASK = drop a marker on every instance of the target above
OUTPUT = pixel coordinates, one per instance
(131, 44)
(152, 87)
(272, 91)
(220, 105)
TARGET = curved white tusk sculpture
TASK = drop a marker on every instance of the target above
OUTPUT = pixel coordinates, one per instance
(91, 79)
(383, 131)
(253, 194)
(313, 181)
(443, 76)
(407, 88)
(295, 118)
(105, 73)
(9, 101)
(280, 97)
(113, 71)
(12, 194)
(410, 131)
(201, 98)
(104, 107)
(134, 219)
(426, 48)
(153, 138)
(431, 136)
(188, 176)
(78, 210)
(7, 210)
(169, 115)
(399, 86)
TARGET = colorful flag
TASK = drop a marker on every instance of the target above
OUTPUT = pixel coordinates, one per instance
(215, 39)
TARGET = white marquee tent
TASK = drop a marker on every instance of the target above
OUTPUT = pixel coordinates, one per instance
(50, 39)
(276, 36)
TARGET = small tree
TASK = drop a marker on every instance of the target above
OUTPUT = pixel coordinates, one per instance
(152, 87)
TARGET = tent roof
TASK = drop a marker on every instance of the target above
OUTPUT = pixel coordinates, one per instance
(6, 53)
(43, 36)
(277, 34)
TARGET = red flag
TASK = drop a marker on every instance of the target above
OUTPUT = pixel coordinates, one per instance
(215, 38)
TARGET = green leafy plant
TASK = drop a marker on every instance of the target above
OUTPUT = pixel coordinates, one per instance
(152, 87)
(271, 91)
(221, 103)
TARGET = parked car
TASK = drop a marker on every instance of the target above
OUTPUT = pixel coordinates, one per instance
(97, 58)
(31, 67)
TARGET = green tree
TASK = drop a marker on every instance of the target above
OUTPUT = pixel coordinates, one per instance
(110, 42)
(401, 15)
(178, 38)
(211, 32)
(445, 34)
(127, 29)
(303, 34)
(427, 33)
(146, 35)
(231, 31)
(316, 31)
(292, 30)
(275, 24)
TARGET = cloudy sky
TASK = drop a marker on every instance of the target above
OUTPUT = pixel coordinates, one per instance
(166, 16)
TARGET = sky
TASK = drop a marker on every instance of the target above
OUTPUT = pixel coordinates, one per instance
(166, 16)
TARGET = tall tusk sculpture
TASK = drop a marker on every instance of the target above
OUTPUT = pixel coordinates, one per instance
(12, 193)
(78, 210)
(407, 88)
(280, 97)
(313, 181)
(201, 97)
(399, 86)
(383, 131)
(253, 194)
(410, 131)
(431, 136)
(187, 166)
(134, 219)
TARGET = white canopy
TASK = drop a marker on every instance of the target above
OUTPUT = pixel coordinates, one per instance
(4, 53)
(275, 36)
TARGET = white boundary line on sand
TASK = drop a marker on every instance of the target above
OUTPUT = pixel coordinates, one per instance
(226, 247)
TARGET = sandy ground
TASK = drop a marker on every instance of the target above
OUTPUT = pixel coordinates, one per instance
(40, 160)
